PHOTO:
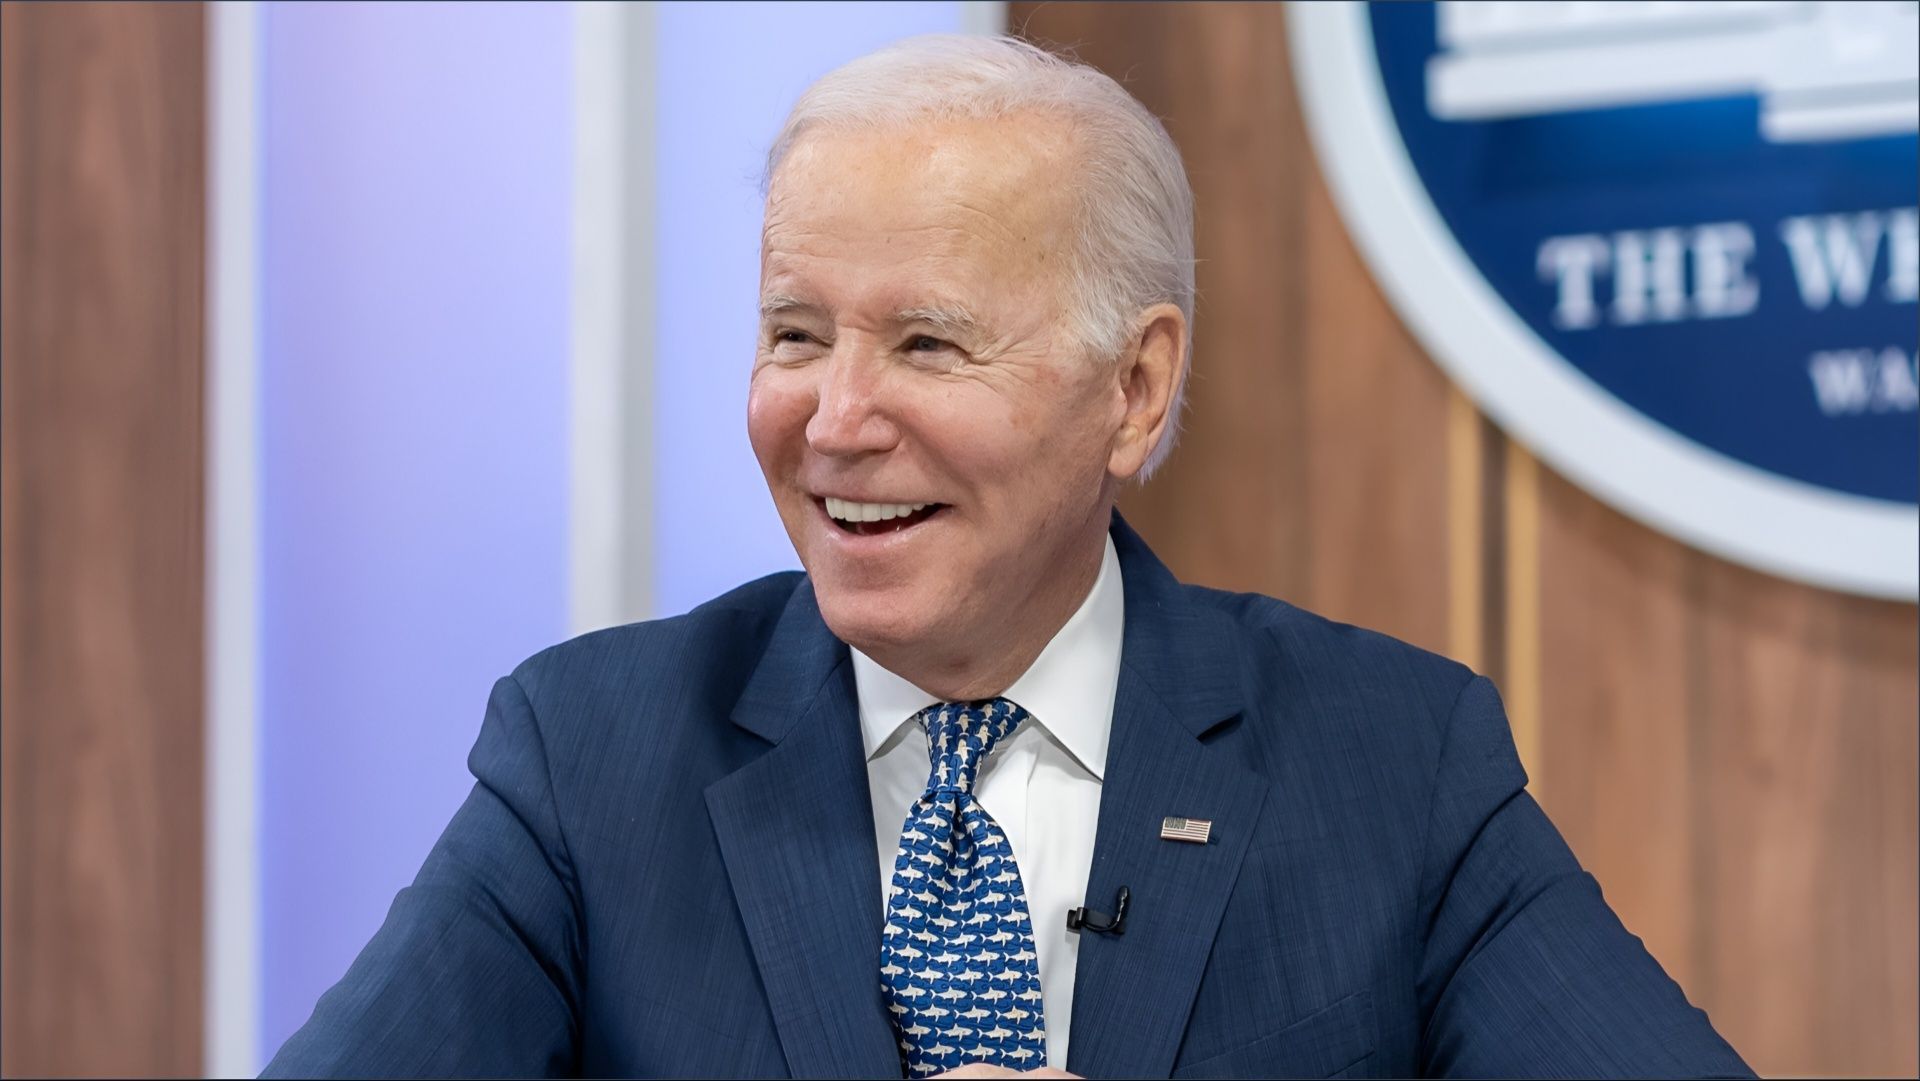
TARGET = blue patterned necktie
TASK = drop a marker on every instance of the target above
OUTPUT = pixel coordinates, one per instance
(957, 964)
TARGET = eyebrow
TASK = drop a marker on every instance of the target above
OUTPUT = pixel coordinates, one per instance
(948, 320)
(779, 303)
(951, 322)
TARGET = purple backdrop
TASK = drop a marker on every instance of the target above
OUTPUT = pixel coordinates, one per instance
(414, 280)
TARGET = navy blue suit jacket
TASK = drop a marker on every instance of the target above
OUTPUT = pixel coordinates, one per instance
(666, 867)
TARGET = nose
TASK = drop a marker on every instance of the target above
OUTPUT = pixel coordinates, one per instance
(850, 418)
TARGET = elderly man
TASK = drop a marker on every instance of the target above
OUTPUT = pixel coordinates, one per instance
(986, 789)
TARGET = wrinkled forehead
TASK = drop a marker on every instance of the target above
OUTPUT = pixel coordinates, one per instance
(986, 197)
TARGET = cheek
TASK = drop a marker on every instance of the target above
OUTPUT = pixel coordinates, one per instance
(1074, 422)
(1013, 457)
(1069, 445)
(779, 404)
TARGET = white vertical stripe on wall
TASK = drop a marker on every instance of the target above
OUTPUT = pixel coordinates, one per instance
(984, 16)
(641, 40)
(232, 995)
(610, 545)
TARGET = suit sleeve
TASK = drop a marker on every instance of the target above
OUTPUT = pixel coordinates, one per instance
(476, 971)
(1526, 971)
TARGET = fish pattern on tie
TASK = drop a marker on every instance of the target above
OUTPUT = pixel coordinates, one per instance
(958, 969)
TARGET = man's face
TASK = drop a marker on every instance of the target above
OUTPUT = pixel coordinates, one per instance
(913, 354)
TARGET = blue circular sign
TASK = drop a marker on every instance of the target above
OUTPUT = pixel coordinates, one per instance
(1700, 216)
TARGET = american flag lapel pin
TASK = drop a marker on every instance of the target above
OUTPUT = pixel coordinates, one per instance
(1192, 830)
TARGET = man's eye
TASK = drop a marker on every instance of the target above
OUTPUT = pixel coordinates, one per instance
(796, 337)
(927, 343)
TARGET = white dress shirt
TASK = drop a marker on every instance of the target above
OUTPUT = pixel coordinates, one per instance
(1041, 784)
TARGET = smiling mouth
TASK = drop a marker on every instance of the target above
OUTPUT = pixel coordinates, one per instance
(872, 519)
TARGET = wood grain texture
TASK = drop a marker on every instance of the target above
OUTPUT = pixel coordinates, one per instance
(1734, 756)
(1617, 764)
(103, 558)
(1377, 408)
(1805, 706)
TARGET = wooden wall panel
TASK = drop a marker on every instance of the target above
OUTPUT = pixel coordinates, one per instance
(1734, 756)
(1805, 707)
(1613, 669)
(101, 585)
(1379, 462)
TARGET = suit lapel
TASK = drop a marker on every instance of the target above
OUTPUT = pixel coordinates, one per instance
(795, 829)
(1179, 681)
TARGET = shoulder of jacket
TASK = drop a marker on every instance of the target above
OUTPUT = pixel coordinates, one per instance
(1316, 654)
(716, 643)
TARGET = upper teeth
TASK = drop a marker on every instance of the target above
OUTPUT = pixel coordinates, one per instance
(847, 510)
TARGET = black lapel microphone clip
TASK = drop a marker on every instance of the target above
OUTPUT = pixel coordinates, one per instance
(1079, 919)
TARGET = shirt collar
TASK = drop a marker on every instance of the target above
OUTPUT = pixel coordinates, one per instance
(1069, 688)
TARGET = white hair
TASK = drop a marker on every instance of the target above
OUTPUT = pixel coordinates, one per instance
(1135, 233)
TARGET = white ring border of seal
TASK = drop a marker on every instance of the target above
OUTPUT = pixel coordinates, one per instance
(1697, 495)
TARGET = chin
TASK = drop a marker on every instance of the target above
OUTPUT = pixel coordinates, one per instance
(874, 621)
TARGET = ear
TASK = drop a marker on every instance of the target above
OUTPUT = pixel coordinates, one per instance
(1150, 377)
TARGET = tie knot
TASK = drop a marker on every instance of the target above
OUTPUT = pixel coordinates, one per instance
(959, 736)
